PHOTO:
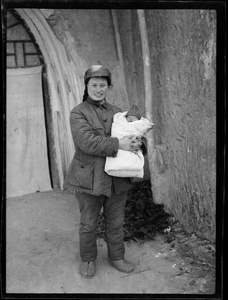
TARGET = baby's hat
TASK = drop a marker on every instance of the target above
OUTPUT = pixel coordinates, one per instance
(134, 111)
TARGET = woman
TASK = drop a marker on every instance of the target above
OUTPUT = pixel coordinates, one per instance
(91, 123)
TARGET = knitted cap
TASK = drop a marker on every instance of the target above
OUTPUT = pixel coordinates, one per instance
(97, 71)
(134, 111)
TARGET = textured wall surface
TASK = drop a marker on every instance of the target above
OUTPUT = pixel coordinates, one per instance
(183, 56)
(89, 38)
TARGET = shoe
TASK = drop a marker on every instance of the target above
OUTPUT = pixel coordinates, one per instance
(88, 269)
(122, 265)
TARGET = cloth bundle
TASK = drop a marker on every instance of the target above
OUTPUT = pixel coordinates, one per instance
(127, 163)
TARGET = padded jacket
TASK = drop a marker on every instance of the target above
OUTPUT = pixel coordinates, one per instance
(91, 129)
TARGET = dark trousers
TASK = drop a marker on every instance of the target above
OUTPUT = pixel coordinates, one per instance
(114, 210)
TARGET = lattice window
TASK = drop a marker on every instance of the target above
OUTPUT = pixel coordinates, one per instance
(21, 48)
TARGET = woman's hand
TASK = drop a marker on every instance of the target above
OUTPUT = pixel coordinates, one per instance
(130, 143)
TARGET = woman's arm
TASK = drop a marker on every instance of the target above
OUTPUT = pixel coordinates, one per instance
(89, 140)
(144, 146)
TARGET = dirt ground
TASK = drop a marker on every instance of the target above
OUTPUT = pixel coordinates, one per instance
(42, 254)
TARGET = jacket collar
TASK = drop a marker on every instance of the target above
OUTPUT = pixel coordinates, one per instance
(101, 103)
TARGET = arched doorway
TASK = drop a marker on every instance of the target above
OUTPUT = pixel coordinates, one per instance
(28, 166)
(61, 86)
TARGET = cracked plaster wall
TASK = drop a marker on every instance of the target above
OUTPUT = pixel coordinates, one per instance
(183, 60)
(183, 69)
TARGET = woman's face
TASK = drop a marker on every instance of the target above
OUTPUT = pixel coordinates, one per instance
(97, 88)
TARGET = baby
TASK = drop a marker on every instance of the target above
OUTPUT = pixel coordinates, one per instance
(133, 114)
(128, 163)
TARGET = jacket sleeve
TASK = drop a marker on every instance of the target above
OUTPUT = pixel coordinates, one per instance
(144, 146)
(88, 140)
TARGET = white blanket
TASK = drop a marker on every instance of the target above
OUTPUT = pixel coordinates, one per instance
(127, 163)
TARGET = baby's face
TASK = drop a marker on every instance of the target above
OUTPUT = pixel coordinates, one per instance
(132, 118)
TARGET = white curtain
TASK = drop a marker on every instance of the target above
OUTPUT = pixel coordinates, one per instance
(27, 168)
